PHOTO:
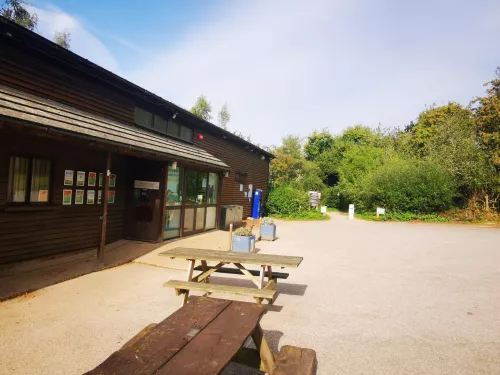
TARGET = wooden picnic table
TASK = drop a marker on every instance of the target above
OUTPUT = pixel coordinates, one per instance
(223, 258)
(200, 338)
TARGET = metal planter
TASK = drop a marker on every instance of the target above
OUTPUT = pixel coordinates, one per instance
(268, 232)
(243, 244)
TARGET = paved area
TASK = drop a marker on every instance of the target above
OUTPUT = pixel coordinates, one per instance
(370, 298)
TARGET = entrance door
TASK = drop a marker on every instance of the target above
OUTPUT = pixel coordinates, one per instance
(195, 204)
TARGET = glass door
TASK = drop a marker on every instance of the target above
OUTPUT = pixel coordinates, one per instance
(175, 181)
(212, 195)
(195, 205)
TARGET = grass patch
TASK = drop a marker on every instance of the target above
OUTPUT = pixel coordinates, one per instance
(305, 215)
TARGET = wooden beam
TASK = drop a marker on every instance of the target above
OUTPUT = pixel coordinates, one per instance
(189, 277)
(249, 275)
(266, 356)
(102, 239)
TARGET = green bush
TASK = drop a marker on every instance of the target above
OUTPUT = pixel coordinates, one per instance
(286, 201)
(306, 215)
(404, 216)
(409, 186)
(243, 231)
(330, 197)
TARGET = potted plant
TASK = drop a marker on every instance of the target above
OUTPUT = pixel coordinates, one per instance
(243, 240)
(267, 229)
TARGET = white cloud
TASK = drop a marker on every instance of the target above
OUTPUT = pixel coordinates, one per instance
(83, 42)
(292, 66)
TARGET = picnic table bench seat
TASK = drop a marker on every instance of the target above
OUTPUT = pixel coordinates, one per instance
(182, 287)
(236, 271)
(292, 360)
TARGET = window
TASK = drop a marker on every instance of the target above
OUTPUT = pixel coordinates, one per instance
(173, 129)
(149, 120)
(186, 134)
(213, 183)
(143, 117)
(160, 124)
(174, 187)
(180, 131)
(241, 177)
(29, 180)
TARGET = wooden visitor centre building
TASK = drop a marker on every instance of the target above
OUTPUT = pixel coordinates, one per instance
(88, 158)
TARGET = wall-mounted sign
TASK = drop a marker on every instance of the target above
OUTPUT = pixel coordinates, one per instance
(90, 196)
(67, 197)
(380, 211)
(92, 178)
(112, 180)
(68, 177)
(151, 185)
(111, 196)
(80, 178)
(79, 196)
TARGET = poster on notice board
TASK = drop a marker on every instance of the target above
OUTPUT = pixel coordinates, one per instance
(79, 196)
(80, 178)
(67, 197)
(68, 177)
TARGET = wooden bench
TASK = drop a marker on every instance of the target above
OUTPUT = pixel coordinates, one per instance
(236, 271)
(292, 360)
(182, 287)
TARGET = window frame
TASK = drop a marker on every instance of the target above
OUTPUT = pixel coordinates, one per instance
(27, 196)
(168, 122)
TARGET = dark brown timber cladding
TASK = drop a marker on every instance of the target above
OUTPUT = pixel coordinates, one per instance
(240, 159)
(29, 232)
(28, 72)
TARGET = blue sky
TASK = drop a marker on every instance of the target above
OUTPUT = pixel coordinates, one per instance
(290, 66)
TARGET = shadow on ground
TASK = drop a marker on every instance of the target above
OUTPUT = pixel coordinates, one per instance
(26, 277)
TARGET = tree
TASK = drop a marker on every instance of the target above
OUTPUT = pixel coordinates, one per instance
(289, 164)
(16, 11)
(62, 38)
(487, 115)
(202, 108)
(317, 143)
(223, 117)
(430, 120)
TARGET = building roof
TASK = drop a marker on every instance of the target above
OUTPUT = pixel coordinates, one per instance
(62, 55)
(22, 106)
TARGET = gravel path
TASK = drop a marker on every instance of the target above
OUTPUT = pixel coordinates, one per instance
(370, 298)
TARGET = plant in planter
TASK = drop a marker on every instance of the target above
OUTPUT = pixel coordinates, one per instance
(243, 240)
(267, 229)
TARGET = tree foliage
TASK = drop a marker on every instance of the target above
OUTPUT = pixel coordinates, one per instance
(63, 38)
(448, 157)
(487, 116)
(223, 117)
(202, 108)
(318, 143)
(16, 11)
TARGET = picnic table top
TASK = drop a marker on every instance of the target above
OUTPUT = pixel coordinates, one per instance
(231, 257)
(189, 341)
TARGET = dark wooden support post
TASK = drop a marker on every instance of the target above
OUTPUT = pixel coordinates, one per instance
(183, 205)
(102, 240)
(163, 203)
(219, 203)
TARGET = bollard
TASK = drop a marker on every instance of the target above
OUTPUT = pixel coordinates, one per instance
(230, 237)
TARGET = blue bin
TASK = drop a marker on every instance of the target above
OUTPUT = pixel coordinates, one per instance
(268, 232)
(243, 244)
